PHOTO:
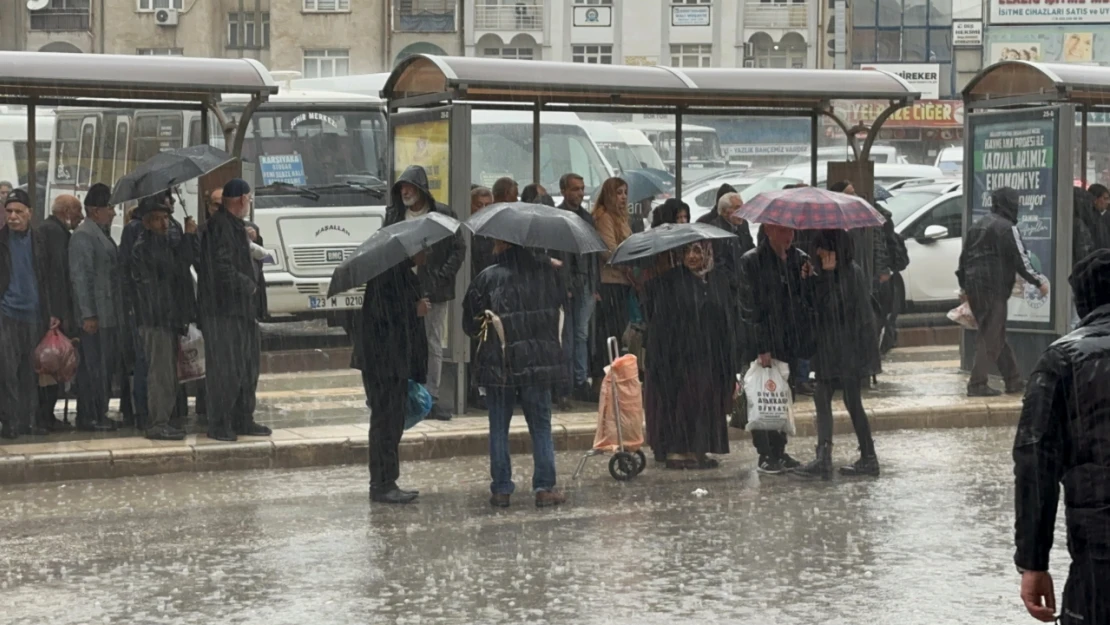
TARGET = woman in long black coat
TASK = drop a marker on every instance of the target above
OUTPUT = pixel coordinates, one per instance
(691, 375)
(847, 348)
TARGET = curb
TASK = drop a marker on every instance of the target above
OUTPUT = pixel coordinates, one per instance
(430, 445)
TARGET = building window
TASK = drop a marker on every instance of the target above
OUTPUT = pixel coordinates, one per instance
(788, 52)
(602, 55)
(525, 54)
(424, 16)
(691, 1)
(251, 28)
(904, 31)
(327, 6)
(161, 51)
(326, 63)
(61, 16)
(692, 55)
(152, 5)
(594, 2)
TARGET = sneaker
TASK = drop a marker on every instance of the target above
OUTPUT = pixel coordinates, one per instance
(868, 465)
(548, 498)
(499, 501)
(770, 466)
(789, 462)
(1015, 387)
(254, 429)
(982, 391)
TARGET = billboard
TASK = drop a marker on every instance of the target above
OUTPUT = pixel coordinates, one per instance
(426, 144)
(920, 114)
(1049, 12)
(922, 77)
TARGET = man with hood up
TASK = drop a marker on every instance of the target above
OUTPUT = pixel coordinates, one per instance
(993, 254)
(411, 198)
(1062, 438)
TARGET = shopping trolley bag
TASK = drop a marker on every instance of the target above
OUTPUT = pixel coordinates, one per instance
(629, 407)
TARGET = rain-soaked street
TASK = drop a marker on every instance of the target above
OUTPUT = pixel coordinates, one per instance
(928, 543)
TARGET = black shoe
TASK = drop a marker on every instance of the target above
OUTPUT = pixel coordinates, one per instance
(165, 433)
(440, 413)
(770, 466)
(821, 466)
(789, 463)
(106, 425)
(8, 432)
(982, 391)
(585, 393)
(56, 425)
(1015, 387)
(254, 429)
(223, 434)
(806, 387)
(33, 430)
(499, 501)
(563, 403)
(866, 465)
(395, 495)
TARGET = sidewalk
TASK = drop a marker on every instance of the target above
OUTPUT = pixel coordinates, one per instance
(320, 419)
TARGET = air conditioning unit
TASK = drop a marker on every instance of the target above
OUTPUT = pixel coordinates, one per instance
(749, 62)
(166, 17)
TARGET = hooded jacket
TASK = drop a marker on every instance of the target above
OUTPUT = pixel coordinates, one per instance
(1062, 438)
(521, 337)
(993, 253)
(437, 276)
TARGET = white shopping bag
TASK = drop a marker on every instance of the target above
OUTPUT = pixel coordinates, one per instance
(770, 401)
(962, 315)
(190, 355)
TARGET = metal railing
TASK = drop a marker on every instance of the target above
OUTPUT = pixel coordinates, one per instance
(776, 15)
(425, 16)
(60, 20)
(509, 17)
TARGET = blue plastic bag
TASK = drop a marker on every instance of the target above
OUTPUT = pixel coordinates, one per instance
(419, 404)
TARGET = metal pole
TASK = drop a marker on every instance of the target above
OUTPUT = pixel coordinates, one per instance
(813, 150)
(840, 13)
(536, 144)
(1083, 148)
(205, 137)
(678, 153)
(32, 173)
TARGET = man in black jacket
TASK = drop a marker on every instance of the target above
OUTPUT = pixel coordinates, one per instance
(772, 306)
(1062, 438)
(583, 278)
(164, 305)
(411, 198)
(228, 302)
(55, 231)
(513, 307)
(992, 256)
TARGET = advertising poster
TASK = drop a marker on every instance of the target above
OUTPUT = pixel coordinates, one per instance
(288, 168)
(427, 144)
(1015, 51)
(1018, 150)
(1049, 12)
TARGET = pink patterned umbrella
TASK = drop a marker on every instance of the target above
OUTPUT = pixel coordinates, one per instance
(810, 208)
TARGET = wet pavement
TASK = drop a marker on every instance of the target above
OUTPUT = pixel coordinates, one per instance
(927, 543)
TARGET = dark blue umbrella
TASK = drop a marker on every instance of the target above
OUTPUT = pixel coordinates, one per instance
(538, 226)
(643, 184)
(645, 246)
(881, 194)
(389, 247)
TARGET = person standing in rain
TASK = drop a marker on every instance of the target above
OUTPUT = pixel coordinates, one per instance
(846, 351)
(691, 365)
(164, 305)
(582, 290)
(227, 292)
(55, 232)
(393, 311)
(5, 189)
(611, 220)
(993, 254)
(1062, 437)
(513, 307)
(411, 198)
(94, 271)
(774, 309)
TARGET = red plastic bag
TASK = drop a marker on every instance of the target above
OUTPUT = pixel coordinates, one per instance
(55, 356)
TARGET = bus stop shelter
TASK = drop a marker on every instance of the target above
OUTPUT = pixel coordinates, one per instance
(431, 97)
(1021, 132)
(34, 79)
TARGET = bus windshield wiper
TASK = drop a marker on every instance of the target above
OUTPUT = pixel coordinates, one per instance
(287, 187)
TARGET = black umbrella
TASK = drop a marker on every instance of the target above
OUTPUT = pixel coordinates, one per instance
(166, 169)
(536, 225)
(643, 184)
(881, 194)
(644, 246)
(390, 246)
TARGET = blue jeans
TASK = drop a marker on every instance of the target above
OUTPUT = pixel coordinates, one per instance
(576, 344)
(799, 369)
(536, 402)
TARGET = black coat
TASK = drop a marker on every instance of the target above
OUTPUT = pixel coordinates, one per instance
(773, 305)
(437, 276)
(527, 296)
(690, 330)
(226, 282)
(55, 239)
(726, 258)
(159, 271)
(260, 269)
(391, 342)
(43, 275)
(581, 271)
(845, 335)
(991, 258)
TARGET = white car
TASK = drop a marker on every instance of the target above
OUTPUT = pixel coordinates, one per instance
(930, 219)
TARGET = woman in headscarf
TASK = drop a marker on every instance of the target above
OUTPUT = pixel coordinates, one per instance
(691, 377)
(847, 353)
(611, 220)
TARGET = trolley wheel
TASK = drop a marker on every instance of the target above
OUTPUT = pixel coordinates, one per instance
(641, 461)
(622, 466)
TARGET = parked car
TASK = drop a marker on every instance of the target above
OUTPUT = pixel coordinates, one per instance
(947, 183)
(887, 154)
(930, 219)
(951, 160)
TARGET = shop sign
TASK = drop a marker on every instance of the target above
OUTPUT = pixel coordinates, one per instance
(921, 114)
(690, 16)
(922, 77)
(1049, 12)
(967, 34)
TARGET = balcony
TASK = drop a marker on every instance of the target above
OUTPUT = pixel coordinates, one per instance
(60, 20)
(509, 18)
(424, 16)
(776, 15)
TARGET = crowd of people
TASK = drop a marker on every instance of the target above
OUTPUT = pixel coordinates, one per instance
(125, 305)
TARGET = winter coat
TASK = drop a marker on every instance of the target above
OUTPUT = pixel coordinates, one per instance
(522, 345)
(845, 336)
(613, 230)
(164, 296)
(773, 305)
(391, 340)
(45, 279)
(727, 252)
(992, 254)
(437, 276)
(582, 271)
(55, 237)
(226, 281)
(95, 273)
(1089, 230)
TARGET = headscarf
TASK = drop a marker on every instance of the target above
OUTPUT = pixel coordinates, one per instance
(698, 258)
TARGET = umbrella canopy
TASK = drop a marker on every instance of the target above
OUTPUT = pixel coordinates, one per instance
(644, 246)
(810, 208)
(166, 169)
(536, 225)
(643, 184)
(881, 194)
(389, 247)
